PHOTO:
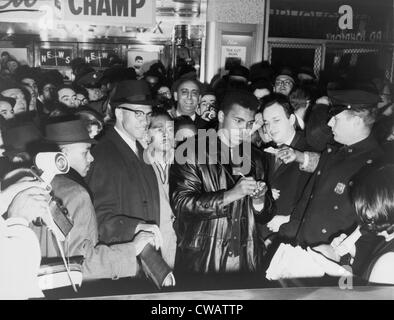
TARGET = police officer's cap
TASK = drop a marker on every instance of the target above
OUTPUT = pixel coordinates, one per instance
(90, 80)
(356, 100)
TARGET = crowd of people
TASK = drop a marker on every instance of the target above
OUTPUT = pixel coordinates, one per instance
(214, 176)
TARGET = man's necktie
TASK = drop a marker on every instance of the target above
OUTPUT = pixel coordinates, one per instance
(140, 151)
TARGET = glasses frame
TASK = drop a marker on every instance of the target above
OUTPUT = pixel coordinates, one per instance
(138, 113)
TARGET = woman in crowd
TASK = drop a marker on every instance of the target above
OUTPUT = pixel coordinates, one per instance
(373, 253)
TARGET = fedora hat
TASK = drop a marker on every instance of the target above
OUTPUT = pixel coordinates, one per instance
(17, 139)
(132, 92)
(68, 132)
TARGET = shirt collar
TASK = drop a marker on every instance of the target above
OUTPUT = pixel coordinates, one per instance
(193, 117)
(288, 142)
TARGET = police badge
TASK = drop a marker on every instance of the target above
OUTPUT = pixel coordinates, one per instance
(340, 188)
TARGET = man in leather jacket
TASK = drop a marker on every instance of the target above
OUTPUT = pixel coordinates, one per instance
(214, 193)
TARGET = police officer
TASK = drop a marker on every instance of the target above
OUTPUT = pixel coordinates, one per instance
(92, 82)
(325, 209)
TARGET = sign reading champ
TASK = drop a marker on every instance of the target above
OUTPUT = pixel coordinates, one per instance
(141, 13)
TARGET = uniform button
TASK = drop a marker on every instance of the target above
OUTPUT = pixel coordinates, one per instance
(369, 161)
(230, 253)
(351, 183)
(319, 173)
(350, 150)
(235, 238)
(336, 208)
(324, 231)
(329, 150)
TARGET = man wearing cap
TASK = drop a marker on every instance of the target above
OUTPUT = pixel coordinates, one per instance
(284, 82)
(124, 186)
(92, 83)
(325, 209)
(100, 261)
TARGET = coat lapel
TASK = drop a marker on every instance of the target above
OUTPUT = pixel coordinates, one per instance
(282, 167)
(131, 161)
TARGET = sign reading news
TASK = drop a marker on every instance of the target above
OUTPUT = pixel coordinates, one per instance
(97, 58)
(111, 12)
(55, 57)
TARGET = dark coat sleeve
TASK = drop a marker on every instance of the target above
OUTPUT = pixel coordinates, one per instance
(188, 197)
(103, 180)
(261, 169)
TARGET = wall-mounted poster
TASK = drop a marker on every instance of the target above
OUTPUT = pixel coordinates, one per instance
(19, 54)
(141, 60)
(55, 57)
(236, 49)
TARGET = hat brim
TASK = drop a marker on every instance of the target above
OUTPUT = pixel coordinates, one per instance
(337, 109)
(91, 141)
(285, 76)
(118, 103)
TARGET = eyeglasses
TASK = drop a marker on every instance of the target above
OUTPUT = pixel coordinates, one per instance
(283, 83)
(138, 113)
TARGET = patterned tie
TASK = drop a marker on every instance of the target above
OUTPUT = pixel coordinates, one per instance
(277, 164)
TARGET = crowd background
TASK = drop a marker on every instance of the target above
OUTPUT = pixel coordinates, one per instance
(40, 109)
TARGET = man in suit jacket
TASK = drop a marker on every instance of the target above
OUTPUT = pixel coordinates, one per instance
(187, 96)
(124, 186)
(287, 180)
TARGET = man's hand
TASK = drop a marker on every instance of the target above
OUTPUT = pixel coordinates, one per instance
(258, 123)
(276, 222)
(141, 239)
(154, 230)
(275, 194)
(169, 281)
(208, 115)
(29, 204)
(288, 155)
(244, 187)
(340, 247)
(323, 100)
(328, 266)
(328, 251)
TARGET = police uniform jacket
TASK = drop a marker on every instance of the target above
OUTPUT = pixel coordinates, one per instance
(325, 209)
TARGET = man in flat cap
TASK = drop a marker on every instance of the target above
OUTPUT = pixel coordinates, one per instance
(284, 82)
(124, 186)
(325, 209)
(100, 261)
(92, 82)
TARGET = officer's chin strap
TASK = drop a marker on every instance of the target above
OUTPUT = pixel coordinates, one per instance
(51, 227)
